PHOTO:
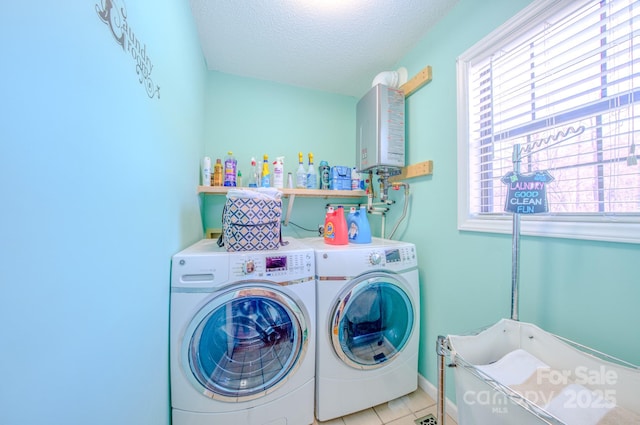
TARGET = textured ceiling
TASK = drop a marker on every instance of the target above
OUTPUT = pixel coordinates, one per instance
(337, 46)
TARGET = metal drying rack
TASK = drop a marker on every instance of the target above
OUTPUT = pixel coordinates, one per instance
(442, 348)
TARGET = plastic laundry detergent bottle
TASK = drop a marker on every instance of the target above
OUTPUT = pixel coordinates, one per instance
(324, 171)
(358, 226)
(335, 227)
(351, 230)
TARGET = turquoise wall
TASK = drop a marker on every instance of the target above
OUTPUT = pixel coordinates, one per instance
(586, 291)
(582, 290)
(98, 183)
(252, 118)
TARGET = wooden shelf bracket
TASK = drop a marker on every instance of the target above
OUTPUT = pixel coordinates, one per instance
(420, 79)
(414, 170)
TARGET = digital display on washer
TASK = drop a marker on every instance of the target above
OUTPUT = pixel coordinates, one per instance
(392, 255)
(276, 263)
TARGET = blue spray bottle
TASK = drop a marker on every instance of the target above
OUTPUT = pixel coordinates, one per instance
(312, 175)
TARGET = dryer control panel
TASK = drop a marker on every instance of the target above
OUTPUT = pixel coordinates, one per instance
(353, 259)
(404, 256)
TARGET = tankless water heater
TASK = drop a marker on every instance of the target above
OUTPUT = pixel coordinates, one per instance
(380, 129)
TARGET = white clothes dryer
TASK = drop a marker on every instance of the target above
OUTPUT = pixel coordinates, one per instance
(242, 335)
(368, 317)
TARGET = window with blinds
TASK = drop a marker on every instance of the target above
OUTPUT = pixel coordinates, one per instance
(556, 89)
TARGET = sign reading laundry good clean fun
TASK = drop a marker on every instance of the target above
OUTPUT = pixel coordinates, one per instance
(527, 193)
(114, 14)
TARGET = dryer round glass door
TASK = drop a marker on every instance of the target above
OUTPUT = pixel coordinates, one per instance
(245, 343)
(372, 321)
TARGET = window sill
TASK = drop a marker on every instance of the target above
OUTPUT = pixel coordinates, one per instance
(606, 229)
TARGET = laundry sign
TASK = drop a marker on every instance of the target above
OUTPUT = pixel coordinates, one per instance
(113, 13)
(527, 193)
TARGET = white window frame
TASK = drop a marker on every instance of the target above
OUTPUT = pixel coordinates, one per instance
(609, 228)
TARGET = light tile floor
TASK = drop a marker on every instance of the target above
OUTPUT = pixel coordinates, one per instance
(401, 411)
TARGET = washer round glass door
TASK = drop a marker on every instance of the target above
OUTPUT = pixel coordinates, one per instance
(372, 321)
(245, 343)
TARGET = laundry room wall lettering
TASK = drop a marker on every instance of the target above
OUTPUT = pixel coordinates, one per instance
(113, 13)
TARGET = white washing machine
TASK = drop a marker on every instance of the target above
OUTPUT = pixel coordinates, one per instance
(242, 338)
(368, 316)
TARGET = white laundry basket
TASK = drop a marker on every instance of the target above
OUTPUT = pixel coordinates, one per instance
(516, 373)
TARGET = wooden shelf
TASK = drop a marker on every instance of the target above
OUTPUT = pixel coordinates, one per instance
(308, 193)
(291, 194)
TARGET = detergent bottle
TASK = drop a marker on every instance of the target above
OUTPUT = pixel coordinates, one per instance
(266, 177)
(278, 172)
(358, 226)
(350, 225)
(335, 227)
(355, 179)
(324, 174)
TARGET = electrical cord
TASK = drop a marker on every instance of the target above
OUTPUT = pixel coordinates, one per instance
(302, 228)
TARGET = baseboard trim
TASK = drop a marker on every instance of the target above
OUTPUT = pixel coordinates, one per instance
(432, 391)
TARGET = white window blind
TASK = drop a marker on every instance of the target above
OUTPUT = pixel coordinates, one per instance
(562, 83)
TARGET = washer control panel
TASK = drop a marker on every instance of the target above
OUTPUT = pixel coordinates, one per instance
(273, 265)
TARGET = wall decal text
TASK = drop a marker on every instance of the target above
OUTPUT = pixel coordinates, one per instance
(114, 14)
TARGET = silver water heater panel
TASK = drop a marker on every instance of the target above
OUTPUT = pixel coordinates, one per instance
(380, 126)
